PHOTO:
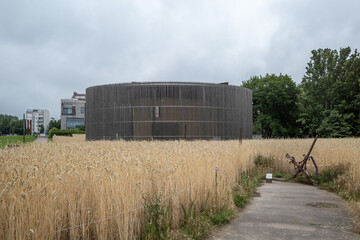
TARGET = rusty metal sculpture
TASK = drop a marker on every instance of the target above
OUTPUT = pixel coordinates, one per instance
(300, 167)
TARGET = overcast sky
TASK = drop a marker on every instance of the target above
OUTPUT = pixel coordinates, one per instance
(51, 48)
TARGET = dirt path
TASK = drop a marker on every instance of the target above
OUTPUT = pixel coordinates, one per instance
(291, 211)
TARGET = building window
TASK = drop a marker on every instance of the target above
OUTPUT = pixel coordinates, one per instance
(74, 123)
(82, 109)
(68, 111)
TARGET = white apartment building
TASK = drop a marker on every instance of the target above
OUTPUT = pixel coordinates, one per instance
(35, 118)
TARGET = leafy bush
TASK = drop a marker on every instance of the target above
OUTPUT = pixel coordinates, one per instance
(64, 132)
(240, 200)
(156, 211)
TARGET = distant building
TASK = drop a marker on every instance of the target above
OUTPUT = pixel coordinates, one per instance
(73, 112)
(35, 118)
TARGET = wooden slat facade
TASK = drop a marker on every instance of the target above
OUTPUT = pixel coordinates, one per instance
(163, 110)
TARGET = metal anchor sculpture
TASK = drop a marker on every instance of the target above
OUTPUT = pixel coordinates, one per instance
(300, 167)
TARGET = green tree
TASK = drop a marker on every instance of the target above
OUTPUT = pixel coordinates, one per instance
(275, 109)
(330, 98)
(335, 125)
(54, 123)
(17, 127)
(42, 129)
(7, 123)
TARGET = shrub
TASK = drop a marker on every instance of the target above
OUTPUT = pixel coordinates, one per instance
(156, 211)
(64, 132)
(240, 200)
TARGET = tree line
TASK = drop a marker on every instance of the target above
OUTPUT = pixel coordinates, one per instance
(326, 102)
(10, 125)
(14, 126)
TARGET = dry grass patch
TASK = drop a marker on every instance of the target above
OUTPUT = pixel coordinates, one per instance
(66, 139)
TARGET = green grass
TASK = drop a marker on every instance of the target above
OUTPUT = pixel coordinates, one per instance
(12, 140)
(264, 162)
(248, 182)
(223, 217)
(281, 175)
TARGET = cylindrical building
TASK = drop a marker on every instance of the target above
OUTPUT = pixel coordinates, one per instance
(168, 110)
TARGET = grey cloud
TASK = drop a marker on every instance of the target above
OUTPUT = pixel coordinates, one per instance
(51, 48)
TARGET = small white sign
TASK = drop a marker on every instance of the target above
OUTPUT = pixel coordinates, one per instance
(269, 176)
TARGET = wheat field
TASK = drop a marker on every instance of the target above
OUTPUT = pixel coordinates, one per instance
(95, 190)
(74, 138)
